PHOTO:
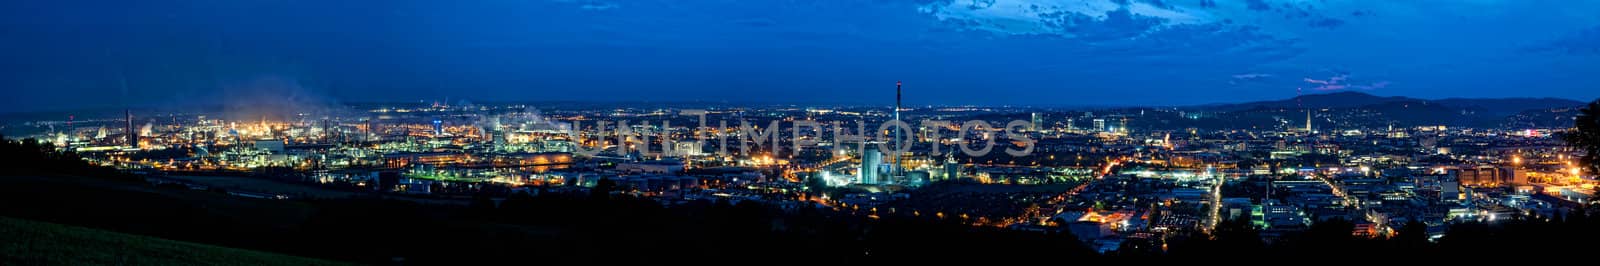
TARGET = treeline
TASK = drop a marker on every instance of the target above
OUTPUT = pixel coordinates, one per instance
(566, 228)
(1522, 234)
(725, 229)
(592, 226)
(29, 156)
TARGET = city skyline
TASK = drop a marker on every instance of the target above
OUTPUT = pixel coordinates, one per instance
(870, 132)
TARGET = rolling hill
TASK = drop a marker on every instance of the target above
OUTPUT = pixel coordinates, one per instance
(1350, 99)
(1401, 111)
(40, 243)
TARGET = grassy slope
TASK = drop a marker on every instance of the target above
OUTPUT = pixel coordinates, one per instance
(92, 192)
(33, 243)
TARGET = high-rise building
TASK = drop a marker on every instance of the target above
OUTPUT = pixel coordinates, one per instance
(1038, 121)
(1490, 176)
(1099, 124)
(870, 161)
(952, 170)
(1070, 126)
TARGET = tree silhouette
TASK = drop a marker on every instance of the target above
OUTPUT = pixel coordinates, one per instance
(1331, 235)
(1586, 135)
(1238, 234)
(1413, 235)
(30, 156)
(602, 189)
(481, 205)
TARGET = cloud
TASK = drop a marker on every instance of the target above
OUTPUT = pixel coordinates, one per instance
(591, 5)
(1374, 85)
(755, 22)
(1257, 5)
(1162, 31)
(1062, 17)
(1245, 78)
(1252, 76)
(1339, 82)
(1326, 23)
(1330, 80)
(598, 6)
(1584, 42)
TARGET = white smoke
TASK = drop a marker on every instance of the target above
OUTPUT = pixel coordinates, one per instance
(533, 120)
(273, 98)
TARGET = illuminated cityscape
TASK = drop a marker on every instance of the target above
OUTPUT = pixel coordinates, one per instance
(667, 150)
(1165, 172)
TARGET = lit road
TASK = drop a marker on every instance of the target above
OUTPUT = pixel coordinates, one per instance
(1351, 200)
(1059, 201)
(1216, 203)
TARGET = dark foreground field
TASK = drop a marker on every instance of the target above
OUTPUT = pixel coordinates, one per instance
(39, 243)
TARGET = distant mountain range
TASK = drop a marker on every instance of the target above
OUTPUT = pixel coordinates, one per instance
(1488, 106)
(1356, 110)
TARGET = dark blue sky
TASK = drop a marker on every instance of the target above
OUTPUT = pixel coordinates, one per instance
(75, 54)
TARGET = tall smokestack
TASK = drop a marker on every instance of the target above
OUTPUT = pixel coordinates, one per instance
(895, 171)
(133, 135)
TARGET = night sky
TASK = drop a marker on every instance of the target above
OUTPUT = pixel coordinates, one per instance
(63, 54)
